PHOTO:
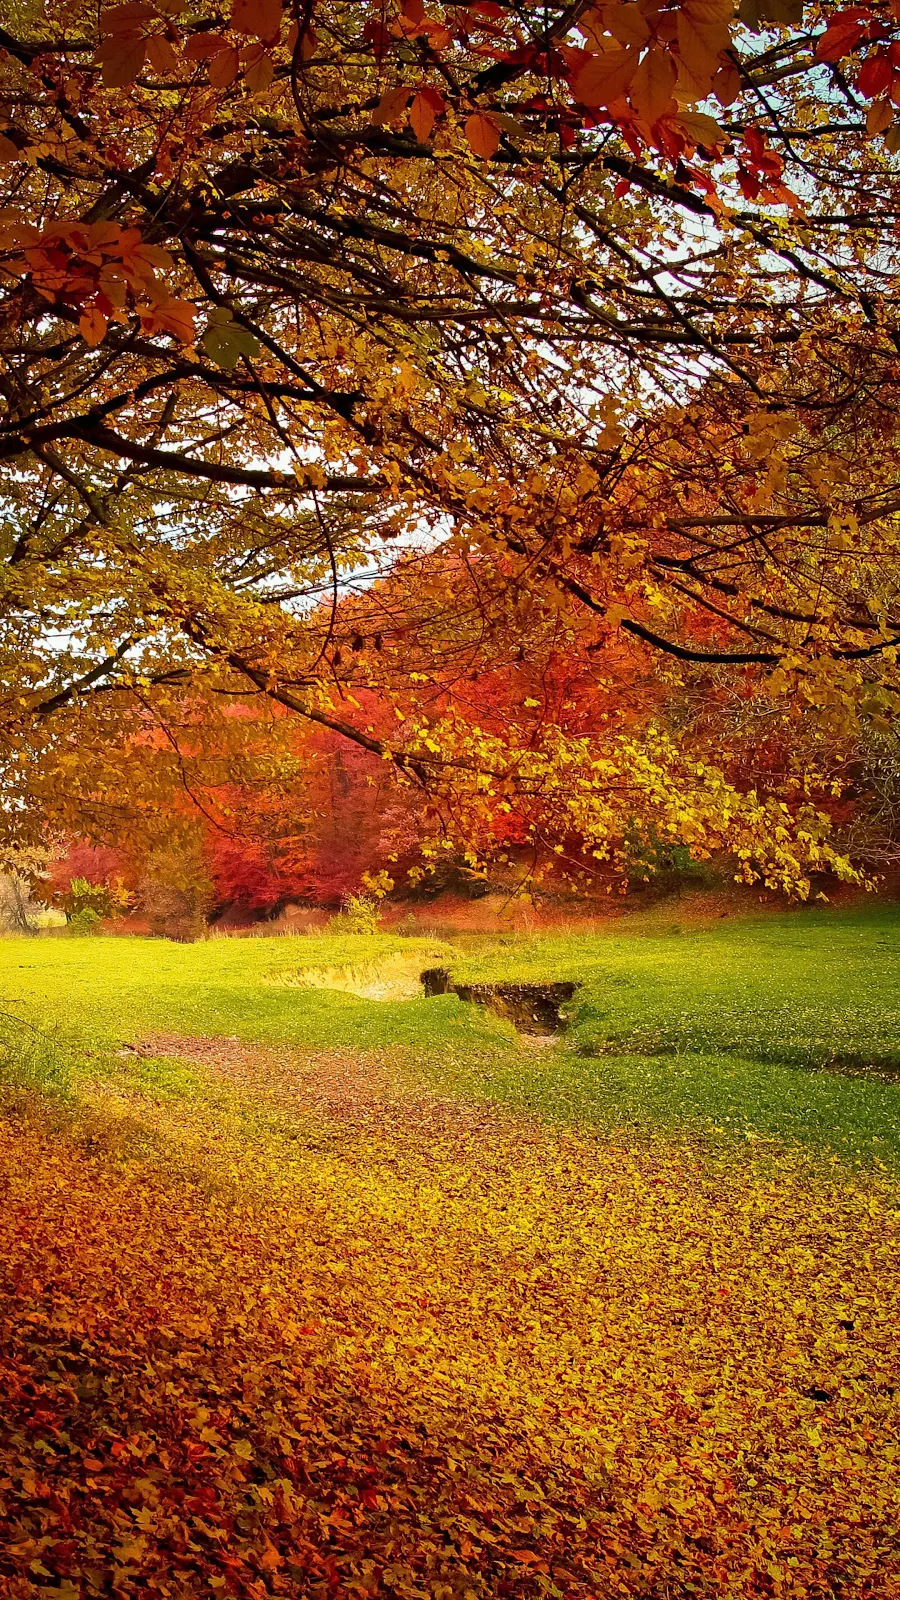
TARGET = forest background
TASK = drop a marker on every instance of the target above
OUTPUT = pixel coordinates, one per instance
(445, 437)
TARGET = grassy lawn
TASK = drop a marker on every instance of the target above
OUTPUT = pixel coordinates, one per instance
(785, 1027)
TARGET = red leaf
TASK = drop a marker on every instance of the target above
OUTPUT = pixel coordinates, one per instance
(378, 36)
(874, 75)
(841, 36)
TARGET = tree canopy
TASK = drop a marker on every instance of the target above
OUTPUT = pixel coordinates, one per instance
(354, 355)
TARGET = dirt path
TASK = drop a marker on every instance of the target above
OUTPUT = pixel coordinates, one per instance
(338, 1091)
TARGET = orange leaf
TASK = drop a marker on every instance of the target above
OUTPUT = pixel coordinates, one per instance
(413, 10)
(421, 117)
(651, 89)
(120, 61)
(125, 19)
(879, 116)
(727, 84)
(160, 55)
(93, 325)
(8, 151)
(259, 17)
(710, 11)
(14, 230)
(627, 24)
(170, 316)
(204, 45)
(483, 135)
(224, 68)
(260, 74)
(605, 78)
(700, 44)
(391, 106)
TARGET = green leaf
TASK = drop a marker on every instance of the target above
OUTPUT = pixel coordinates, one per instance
(225, 341)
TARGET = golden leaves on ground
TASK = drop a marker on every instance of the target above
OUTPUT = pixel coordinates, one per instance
(322, 1334)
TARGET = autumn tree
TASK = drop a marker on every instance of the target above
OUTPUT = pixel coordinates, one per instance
(600, 298)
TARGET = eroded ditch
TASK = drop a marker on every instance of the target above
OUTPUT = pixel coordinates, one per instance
(531, 1007)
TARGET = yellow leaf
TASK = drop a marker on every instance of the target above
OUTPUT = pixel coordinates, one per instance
(701, 129)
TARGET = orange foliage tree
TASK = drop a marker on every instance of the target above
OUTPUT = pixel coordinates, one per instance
(600, 299)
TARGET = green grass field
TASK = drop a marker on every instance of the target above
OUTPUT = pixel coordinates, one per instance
(783, 1027)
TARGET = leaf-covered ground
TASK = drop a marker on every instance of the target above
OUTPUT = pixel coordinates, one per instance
(282, 1322)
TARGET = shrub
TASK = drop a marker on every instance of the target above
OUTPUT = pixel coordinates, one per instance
(358, 914)
(84, 922)
(100, 899)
